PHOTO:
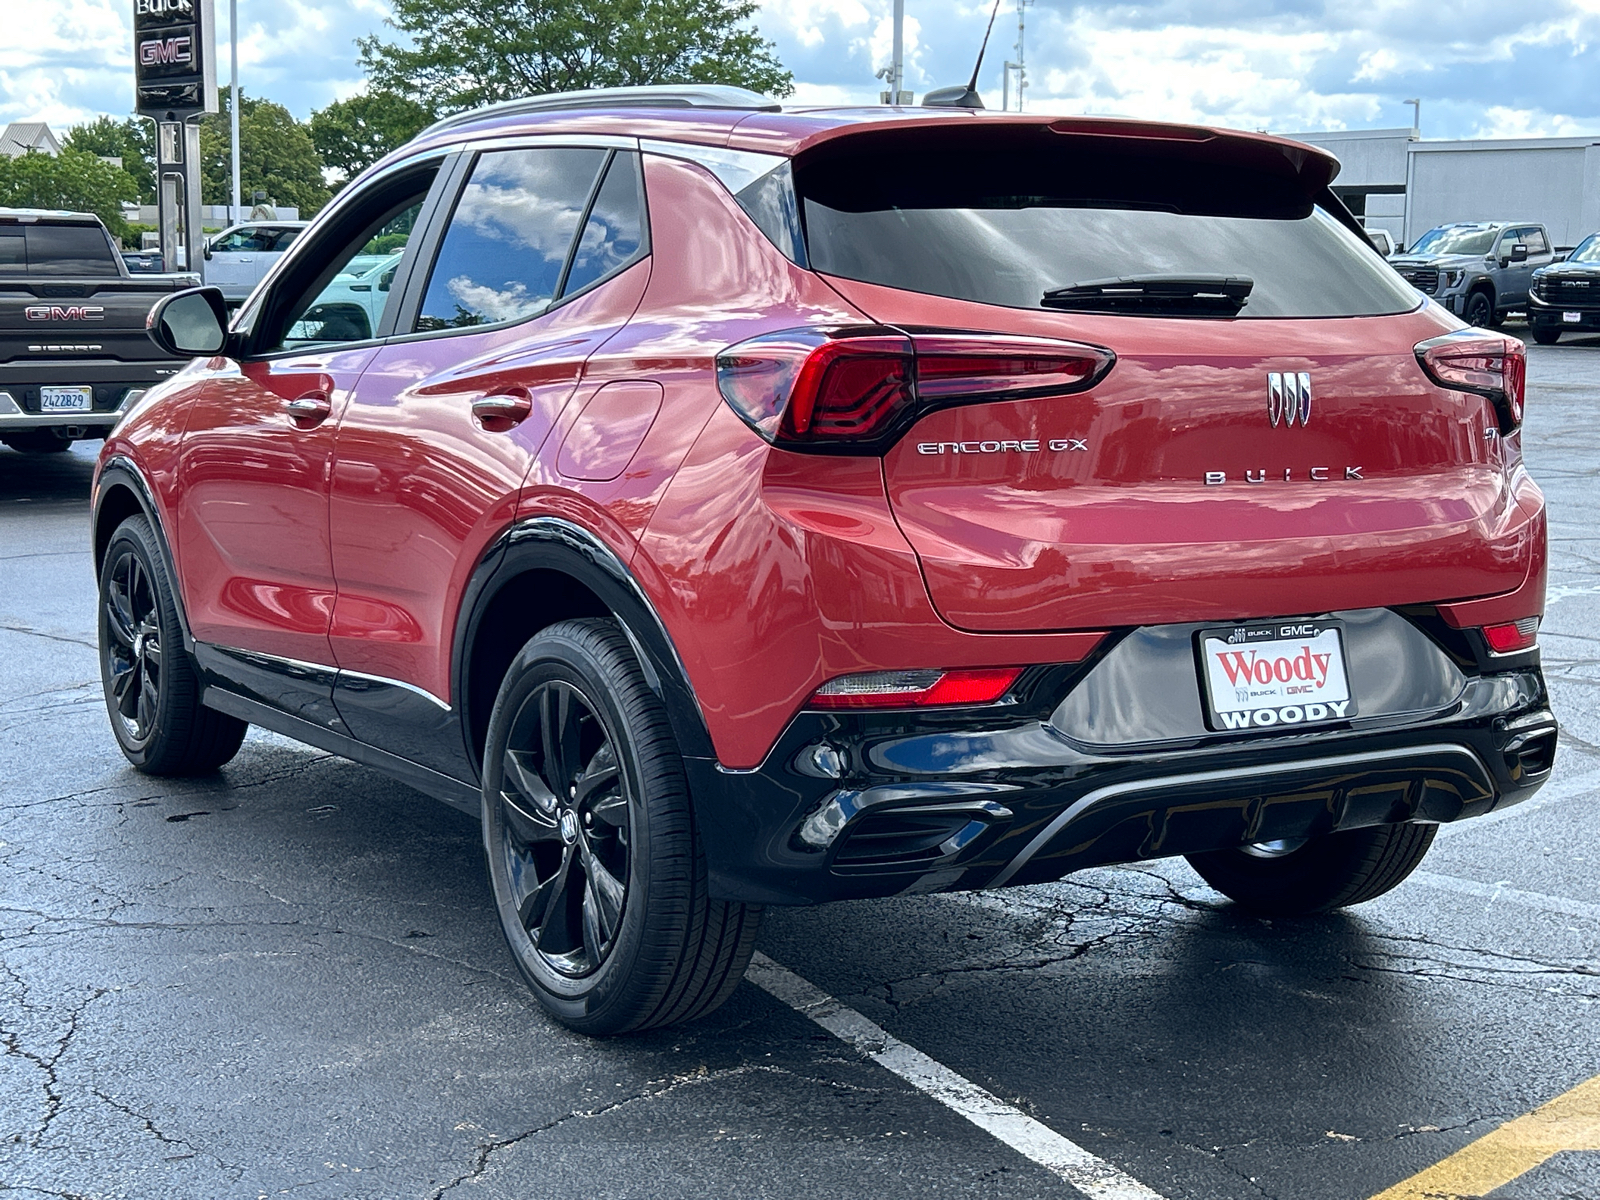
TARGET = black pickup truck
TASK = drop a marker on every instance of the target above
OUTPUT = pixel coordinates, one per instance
(73, 351)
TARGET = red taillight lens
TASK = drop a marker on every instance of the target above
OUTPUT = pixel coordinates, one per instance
(915, 689)
(1512, 636)
(1487, 364)
(856, 390)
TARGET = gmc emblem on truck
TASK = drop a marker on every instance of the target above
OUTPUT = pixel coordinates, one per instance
(69, 312)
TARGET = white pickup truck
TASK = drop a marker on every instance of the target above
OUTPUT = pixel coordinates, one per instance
(239, 257)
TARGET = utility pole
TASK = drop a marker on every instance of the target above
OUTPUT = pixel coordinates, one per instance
(1005, 85)
(894, 75)
(1416, 117)
(233, 31)
(1022, 60)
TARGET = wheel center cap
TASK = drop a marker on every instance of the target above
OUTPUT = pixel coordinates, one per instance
(569, 827)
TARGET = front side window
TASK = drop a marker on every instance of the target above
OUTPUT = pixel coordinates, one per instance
(349, 308)
(241, 241)
(507, 245)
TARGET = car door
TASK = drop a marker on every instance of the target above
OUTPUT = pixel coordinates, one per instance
(228, 265)
(1514, 277)
(435, 444)
(252, 478)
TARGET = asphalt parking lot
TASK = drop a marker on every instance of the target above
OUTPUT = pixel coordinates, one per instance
(289, 978)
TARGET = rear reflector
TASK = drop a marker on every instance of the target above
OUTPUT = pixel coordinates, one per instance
(854, 391)
(1512, 636)
(1484, 363)
(915, 689)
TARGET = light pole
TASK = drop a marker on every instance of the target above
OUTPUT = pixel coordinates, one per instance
(233, 35)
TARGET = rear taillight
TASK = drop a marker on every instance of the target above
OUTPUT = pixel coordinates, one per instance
(916, 688)
(856, 390)
(1484, 363)
(1512, 636)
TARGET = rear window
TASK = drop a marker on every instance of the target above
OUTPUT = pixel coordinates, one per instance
(1005, 217)
(62, 250)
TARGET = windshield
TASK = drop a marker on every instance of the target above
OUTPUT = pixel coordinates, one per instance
(1588, 250)
(1461, 239)
(1050, 225)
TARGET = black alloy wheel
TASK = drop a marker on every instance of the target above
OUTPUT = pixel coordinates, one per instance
(566, 834)
(132, 645)
(589, 836)
(151, 687)
(1480, 310)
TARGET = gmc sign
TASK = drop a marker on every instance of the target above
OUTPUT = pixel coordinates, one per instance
(173, 58)
(65, 312)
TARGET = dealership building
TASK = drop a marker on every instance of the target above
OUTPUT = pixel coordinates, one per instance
(1394, 180)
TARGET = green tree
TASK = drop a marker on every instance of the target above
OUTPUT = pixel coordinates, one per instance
(460, 54)
(276, 156)
(132, 140)
(74, 180)
(353, 134)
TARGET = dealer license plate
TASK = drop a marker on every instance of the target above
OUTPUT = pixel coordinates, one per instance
(1285, 673)
(65, 399)
(1572, 318)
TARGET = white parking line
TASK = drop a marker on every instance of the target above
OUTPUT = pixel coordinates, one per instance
(1495, 893)
(1553, 793)
(1091, 1175)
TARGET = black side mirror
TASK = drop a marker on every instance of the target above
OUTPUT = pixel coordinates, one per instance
(206, 252)
(386, 280)
(189, 323)
(1519, 253)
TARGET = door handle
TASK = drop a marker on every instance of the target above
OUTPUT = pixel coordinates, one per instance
(502, 410)
(309, 410)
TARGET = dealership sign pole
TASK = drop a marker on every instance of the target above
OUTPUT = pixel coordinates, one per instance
(175, 83)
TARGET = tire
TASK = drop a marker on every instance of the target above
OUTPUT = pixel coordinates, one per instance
(1319, 875)
(152, 690)
(589, 835)
(1479, 310)
(1546, 335)
(38, 441)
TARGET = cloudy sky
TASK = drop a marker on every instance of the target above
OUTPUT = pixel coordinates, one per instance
(1481, 68)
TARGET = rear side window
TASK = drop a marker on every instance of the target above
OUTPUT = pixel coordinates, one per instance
(613, 234)
(506, 248)
(57, 250)
(1006, 218)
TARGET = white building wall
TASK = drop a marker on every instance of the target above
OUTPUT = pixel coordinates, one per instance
(1555, 181)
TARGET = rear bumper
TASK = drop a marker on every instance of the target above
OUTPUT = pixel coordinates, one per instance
(850, 805)
(116, 386)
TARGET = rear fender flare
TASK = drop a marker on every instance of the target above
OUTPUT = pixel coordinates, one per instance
(558, 545)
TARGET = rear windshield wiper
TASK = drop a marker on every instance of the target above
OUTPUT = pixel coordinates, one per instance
(1156, 295)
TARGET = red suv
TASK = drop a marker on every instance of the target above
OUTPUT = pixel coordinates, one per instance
(738, 505)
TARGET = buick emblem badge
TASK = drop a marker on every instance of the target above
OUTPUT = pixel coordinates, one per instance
(1288, 397)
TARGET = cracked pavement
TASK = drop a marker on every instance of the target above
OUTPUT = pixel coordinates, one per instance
(288, 979)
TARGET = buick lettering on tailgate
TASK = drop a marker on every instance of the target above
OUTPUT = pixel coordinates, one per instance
(1288, 673)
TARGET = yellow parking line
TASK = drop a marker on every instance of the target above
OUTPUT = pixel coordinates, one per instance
(1569, 1122)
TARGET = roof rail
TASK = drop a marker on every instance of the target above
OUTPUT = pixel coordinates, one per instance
(674, 95)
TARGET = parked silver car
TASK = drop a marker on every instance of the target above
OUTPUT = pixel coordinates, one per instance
(238, 258)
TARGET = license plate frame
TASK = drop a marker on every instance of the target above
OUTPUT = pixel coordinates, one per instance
(1314, 695)
(55, 399)
(1572, 318)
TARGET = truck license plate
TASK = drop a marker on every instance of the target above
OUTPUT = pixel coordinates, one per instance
(1572, 318)
(66, 399)
(1269, 675)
